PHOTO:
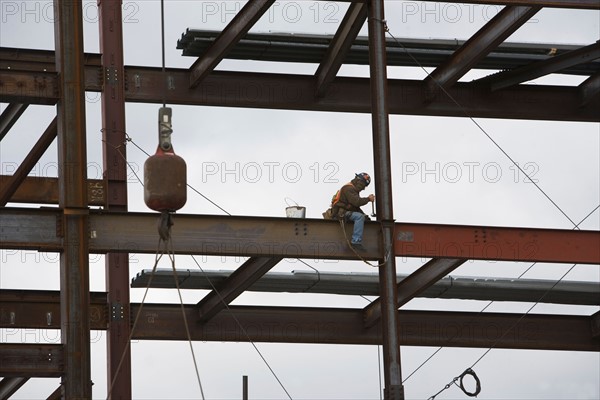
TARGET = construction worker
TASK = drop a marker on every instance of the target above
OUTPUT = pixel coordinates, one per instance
(347, 202)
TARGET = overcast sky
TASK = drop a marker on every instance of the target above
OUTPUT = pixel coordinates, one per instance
(249, 161)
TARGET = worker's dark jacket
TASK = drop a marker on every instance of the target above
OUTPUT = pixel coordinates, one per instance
(350, 199)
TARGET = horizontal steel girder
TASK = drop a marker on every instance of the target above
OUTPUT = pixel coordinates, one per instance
(367, 284)
(297, 92)
(297, 238)
(321, 325)
(42, 190)
(31, 360)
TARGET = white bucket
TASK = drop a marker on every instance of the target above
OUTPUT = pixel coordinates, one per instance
(295, 212)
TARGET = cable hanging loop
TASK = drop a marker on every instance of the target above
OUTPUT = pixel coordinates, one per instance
(472, 373)
(461, 385)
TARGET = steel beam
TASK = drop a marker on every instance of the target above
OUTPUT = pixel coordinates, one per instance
(233, 32)
(323, 325)
(9, 117)
(29, 87)
(40, 309)
(296, 92)
(340, 45)
(31, 360)
(240, 280)
(538, 69)
(589, 89)
(496, 243)
(114, 157)
(367, 284)
(42, 190)
(289, 238)
(413, 285)
(504, 24)
(595, 325)
(38, 150)
(345, 326)
(392, 372)
(74, 260)
(9, 386)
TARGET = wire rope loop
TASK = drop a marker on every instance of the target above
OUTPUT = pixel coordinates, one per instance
(472, 373)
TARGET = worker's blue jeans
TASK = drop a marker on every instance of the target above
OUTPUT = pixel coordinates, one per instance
(359, 225)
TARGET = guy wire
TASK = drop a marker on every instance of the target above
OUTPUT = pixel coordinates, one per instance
(464, 111)
(239, 324)
(171, 253)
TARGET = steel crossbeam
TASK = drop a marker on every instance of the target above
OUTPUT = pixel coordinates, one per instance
(298, 238)
(318, 325)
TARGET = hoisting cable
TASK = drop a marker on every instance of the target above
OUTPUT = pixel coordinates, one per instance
(164, 222)
(239, 324)
(464, 111)
(165, 226)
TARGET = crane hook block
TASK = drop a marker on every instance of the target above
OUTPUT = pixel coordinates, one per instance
(165, 187)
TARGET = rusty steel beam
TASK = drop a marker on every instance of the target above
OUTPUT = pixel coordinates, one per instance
(504, 24)
(340, 45)
(10, 385)
(297, 92)
(413, 285)
(38, 150)
(72, 159)
(589, 89)
(454, 241)
(240, 280)
(323, 325)
(538, 69)
(345, 326)
(233, 32)
(114, 158)
(9, 117)
(392, 370)
(29, 87)
(31, 360)
(40, 309)
(43, 190)
(283, 237)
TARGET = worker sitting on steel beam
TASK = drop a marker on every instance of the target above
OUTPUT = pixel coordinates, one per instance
(346, 204)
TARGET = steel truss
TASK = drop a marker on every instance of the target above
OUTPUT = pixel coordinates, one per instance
(60, 78)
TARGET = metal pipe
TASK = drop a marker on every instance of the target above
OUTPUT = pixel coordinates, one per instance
(393, 389)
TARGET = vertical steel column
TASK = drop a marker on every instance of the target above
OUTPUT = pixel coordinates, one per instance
(383, 178)
(72, 177)
(115, 174)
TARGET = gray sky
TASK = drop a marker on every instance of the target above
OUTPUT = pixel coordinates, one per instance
(230, 154)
